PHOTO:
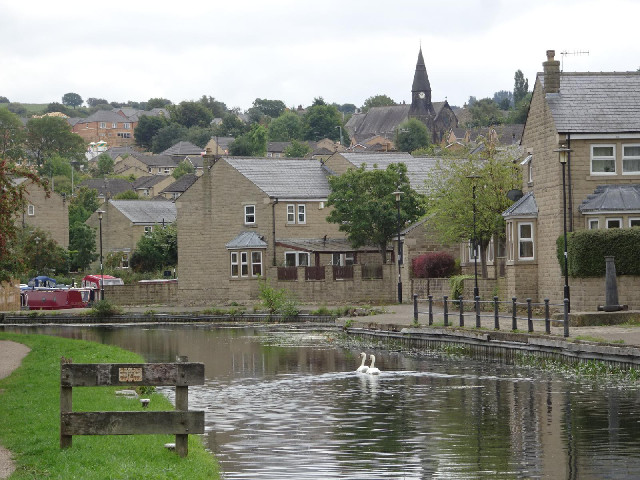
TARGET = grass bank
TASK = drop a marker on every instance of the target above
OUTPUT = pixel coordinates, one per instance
(30, 427)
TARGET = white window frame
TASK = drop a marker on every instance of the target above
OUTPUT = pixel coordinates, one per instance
(148, 229)
(510, 242)
(114, 125)
(249, 214)
(235, 265)
(244, 264)
(124, 262)
(472, 258)
(167, 170)
(630, 157)
(301, 214)
(593, 224)
(103, 124)
(522, 240)
(297, 256)
(31, 210)
(602, 158)
(127, 126)
(291, 213)
(490, 252)
(613, 219)
(256, 261)
(635, 220)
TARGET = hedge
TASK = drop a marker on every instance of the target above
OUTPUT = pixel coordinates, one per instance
(586, 250)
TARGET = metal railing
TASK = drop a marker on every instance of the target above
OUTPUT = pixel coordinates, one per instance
(476, 307)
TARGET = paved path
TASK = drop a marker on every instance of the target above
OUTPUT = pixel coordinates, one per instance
(11, 355)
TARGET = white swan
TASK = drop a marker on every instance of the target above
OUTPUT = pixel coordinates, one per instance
(373, 370)
(363, 368)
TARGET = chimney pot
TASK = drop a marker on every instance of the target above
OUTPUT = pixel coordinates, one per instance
(550, 55)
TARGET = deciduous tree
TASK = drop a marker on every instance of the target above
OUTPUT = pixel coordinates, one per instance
(251, 144)
(364, 204)
(322, 121)
(286, 127)
(377, 101)
(190, 114)
(183, 168)
(12, 136)
(411, 135)
(297, 149)
(48, 136)
(72, 99)
(520, 87)
(156, 250)
(146, 129)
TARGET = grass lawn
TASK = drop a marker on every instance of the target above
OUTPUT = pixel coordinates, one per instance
(30, 426)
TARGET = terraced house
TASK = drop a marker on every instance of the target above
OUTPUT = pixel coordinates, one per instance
(596, 117)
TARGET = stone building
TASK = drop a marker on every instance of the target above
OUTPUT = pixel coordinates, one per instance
(597, 117)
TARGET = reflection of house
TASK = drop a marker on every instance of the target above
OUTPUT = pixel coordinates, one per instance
(597, 116)
(126, 221)
(48, 214)
(437, 116)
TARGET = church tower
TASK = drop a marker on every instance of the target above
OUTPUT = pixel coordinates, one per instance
(421, 106)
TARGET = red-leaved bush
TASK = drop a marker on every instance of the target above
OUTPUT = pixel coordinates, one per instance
(433, 265)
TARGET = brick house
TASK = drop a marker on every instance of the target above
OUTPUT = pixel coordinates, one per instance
(49, 214)
(597, 117)
(124, 222)
(107, 126)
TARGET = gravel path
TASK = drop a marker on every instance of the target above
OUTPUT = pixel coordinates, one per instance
(11, 355)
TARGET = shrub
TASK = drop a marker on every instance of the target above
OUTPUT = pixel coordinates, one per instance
(433, 265)
(104, 308)
(277, 300)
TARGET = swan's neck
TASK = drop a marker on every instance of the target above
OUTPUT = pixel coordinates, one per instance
(364, 358)
(373, 361)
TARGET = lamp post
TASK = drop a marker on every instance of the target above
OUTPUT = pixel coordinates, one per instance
(340, 127)
(100, 214)
(476, 291)
(397, 193)
(37, 240)
(563, 156)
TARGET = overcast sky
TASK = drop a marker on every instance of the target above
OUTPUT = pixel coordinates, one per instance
(294, 50)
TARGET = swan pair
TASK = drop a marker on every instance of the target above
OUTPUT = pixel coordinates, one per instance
(371, 369)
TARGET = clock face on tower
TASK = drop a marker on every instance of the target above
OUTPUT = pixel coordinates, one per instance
(421, 94)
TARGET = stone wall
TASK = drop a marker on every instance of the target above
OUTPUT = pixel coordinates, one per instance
(165, 293)
(9, 296)
(588, 293)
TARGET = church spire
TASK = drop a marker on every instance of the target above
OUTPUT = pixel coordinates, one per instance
(420, 78)
(421, 106)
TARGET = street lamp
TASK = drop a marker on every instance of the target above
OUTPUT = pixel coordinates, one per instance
(100, 214)
(397, 193)
(476, 291)
(563, 156)
(37, 240)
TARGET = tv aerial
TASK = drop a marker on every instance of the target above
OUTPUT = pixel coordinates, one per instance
(575, 52)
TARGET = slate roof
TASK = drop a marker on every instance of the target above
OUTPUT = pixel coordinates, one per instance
(277, 146)
(377, 121)
(148, 181)
(284, 177)
(247, 240)
(321, 245)
(182, 184)
(104, 186)
(612, 198)
(156, 160)
(115, 152)
(183, 148)
(525, 207)
(596, 102)
(105, 116)
(146, 212)
(417, 167)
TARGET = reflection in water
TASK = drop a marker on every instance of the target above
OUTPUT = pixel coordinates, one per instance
(290, 405)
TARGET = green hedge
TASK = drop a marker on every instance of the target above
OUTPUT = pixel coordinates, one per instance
(586, 250)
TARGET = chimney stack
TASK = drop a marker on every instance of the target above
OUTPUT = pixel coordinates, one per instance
(551, 73)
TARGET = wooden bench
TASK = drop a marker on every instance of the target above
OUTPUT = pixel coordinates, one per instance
(180, 422)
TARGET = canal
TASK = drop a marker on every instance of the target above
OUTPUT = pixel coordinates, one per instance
(288, 404)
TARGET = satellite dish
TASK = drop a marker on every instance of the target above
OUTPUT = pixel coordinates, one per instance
(514, 195)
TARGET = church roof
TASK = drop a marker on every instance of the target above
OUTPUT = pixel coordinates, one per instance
(377, 121)
(420, 79)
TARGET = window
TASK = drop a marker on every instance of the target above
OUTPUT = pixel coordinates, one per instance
(114, 125)
(127, 126)
(634, 222)
(490, 251)
(244, 264)
(603, 159)
(296, 259)
(510, 241)
(470, 255)
(594, 224)
(103, 124)
(296, 214)
(631, 159)
(124, 134)
(31, 210)
(234, 264)
(125, 260)
(249, 214)
(148, 230)
(525, 241)
(614, 223)
(342, 259)
(167, 170)
(256, 264)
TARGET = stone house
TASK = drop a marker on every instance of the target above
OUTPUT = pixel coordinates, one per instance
(597, 117)
(251, 218)
(151, 186)
(124, 222)
(106, 187)
(49, 214)
(177, 188)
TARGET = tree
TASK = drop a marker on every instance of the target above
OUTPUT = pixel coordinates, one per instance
(58, 107)
(48, 136)
(11, 136)
(72, 99)
(504, 99)
(83, 204)
(297, 149)
(322, 121)
(286, 127)
(347, 108)
(365, 206)
(17, 108)
(251, 144)
(199, 136)
(450, 197)
(55, 165)
(168, 136)
(520, 87)
(157, 103)
(231, 126)
(485, 113)
(4, 100)
(82, 245)
(521, 110)
(411, 135)
(217, 108)
(190, 114)
(146, 129)
(183, 168)
(94, 102)
(127, 195)
(270, 108)
(377, 101)
(156, 250)
(105, 165)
